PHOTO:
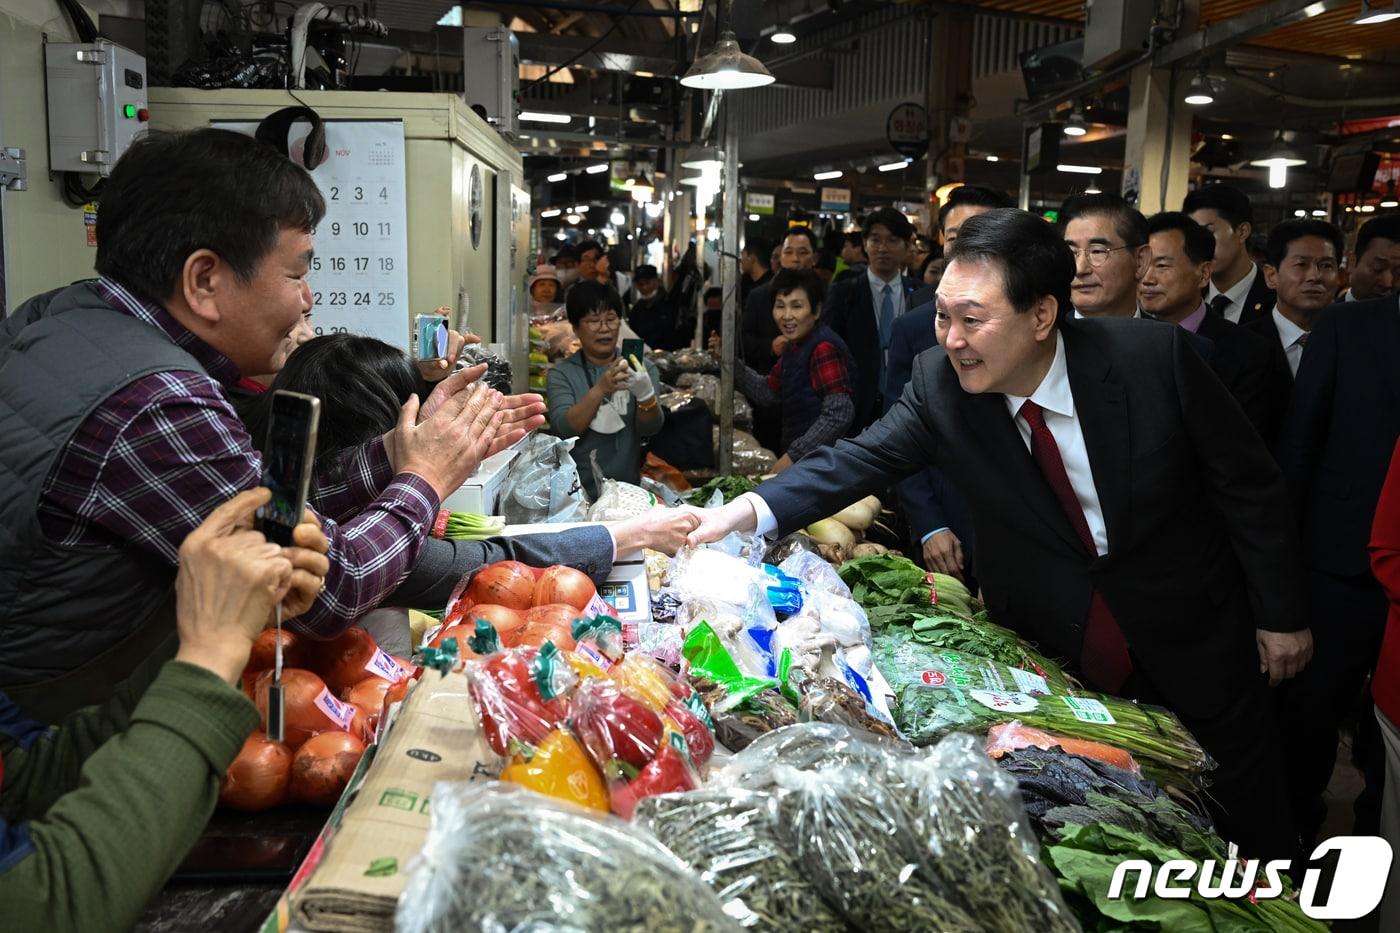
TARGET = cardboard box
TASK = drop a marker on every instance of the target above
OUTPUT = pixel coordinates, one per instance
(481, 493)
(363, 862)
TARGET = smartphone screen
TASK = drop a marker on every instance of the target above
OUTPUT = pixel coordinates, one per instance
(633, 346)
(287, 459)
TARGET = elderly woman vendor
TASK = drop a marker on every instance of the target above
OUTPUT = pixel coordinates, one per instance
(598, 396)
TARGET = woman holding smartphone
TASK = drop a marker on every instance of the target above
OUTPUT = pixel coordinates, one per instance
(601, 397)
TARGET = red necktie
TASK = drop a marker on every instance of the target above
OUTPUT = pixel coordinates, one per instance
(1104, 657)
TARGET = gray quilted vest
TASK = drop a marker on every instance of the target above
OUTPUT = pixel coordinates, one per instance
(73, 620)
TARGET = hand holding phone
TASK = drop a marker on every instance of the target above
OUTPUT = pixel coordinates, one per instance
(288, 456)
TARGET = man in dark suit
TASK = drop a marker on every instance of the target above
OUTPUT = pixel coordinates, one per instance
(863, 308)
(1177, 267)
(753, 263)
(1303, 263)
(1237, 290)
(1342, 425)
(1127, 515)
(939, 521)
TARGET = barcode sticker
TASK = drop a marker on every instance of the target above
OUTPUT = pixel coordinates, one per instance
(1030, 683)
(1089, 710)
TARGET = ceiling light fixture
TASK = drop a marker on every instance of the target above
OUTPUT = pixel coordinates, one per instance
(535, 116)
(754, 218)
(1279, 158)
(1319, 212)
(1377, 11)
(552, 212)
(992, 158)
(580, 208)
(702, 157)
(1300, 213)
(617, 218)
(597, 168)
(725, 67)
(557, 177)
(1367, 208)
(1200, 91)
(573, 218)
(1076, 126)
(783, 35)
(827, 176)
(895, 166)
(1079, 169)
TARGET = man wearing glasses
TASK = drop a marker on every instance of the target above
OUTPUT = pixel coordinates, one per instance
(597, 396)
(1109, 241)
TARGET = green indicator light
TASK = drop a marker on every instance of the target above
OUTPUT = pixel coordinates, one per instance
(129, 111)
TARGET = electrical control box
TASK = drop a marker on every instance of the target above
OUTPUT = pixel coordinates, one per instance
(97, 104)
(1115, 30)
(491, 76)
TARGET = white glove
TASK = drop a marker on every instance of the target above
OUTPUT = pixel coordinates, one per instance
(639, 384)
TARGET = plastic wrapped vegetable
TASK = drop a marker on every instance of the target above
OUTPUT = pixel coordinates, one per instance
(503, 860)
(520, 694)
(630, 745)
(728, 836)
(737, 724)
(558, 767)
(816, 573)
(826, 699)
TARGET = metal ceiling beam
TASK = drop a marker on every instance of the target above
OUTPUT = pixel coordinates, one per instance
(1237, 29)
(546, 136)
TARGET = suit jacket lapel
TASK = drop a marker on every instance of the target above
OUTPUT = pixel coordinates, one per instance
(1390, 340)
(992, 423)
(1100, 401)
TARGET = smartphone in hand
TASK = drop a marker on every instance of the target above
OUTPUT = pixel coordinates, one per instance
(430, 337)
(287, 459)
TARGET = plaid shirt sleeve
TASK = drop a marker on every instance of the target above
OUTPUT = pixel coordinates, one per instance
(829, 373)
(775, 377)
(353, 482)
(837, 414)
(149, 464)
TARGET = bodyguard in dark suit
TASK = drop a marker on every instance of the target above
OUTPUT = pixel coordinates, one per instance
(865, 321)
(1342, 426)
(1178, 264)
(1127, 515)
(1238, 291)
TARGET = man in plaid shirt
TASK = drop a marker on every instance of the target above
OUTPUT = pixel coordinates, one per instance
(206, 239)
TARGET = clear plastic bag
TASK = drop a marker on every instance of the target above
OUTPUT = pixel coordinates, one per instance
(729, 838)
(706, 388)
(501, 859)
(543, 484)
(617, 502)
(750, 458)
(814, 572)
(902, 839)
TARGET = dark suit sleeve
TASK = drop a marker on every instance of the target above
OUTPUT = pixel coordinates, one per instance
(444, 562)
(900, 365)
(891, 449)
(1247, 488)
(1255, 389)
(757, 345)
(1310, 409)
(923, 503)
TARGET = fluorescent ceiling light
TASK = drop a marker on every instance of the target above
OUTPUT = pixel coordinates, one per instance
(992, 158)
(557, 177)
(1320, 213)
(1300, 213)
(552, 212)
(753, 218)
(1368, 208)
(1390, 202)
(597, 168)
(1377, 11)
(827, 176)
(535, 116)
(1079, 169)
(580, 208)
(895, 166)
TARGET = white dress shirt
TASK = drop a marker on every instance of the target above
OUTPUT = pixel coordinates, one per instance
(1056, 400)
(877, 293)
(1292, 337)
(1237, 294)
(1137, 314)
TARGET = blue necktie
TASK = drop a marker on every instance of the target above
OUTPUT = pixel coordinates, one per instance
(886, 317)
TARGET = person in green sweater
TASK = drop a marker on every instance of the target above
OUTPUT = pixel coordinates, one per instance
(97, 812)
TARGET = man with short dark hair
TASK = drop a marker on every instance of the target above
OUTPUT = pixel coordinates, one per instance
(1303, 266)
(939, 521)
(1177, 268)
(652, 315)
(852, 260)
(1128, 516)
(862, 310)
(1375, 262)
(753, 263)
(1238, 289)
(1108, 239)
(110, 464)
(714, 310)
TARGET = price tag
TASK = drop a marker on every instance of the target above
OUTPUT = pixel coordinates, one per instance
(1005, 702)
(1030, 683)
(934, 678)
(1089, 710)
(383, 665)
(342, 714)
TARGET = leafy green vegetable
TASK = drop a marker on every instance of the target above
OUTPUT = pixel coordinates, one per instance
(984, 638)
(731, 487)
(1085, 857)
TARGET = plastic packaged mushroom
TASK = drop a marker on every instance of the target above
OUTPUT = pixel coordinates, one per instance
(501, 859)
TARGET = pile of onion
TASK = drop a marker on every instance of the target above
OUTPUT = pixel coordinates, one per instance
(323, 766)
(259, 776)
(506, 583)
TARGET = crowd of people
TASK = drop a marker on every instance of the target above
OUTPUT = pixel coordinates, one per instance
(1171, 463)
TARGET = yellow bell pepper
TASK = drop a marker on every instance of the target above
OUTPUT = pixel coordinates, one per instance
(560, 768)
(643, 679)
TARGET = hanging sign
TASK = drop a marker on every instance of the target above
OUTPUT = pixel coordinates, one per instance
(836, 199)
(760, 203)
(907, 130)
